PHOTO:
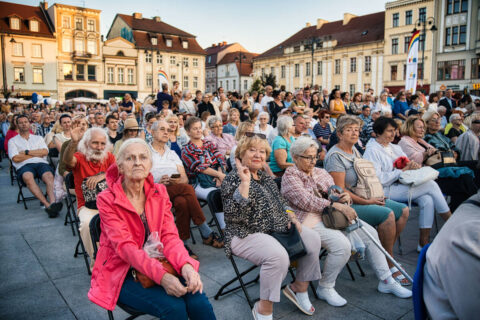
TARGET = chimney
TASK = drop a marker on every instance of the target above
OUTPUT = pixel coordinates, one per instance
(308, 24)
(347, 17)
(320, 23)
(157, 19)
(45, 5)
(137, 15)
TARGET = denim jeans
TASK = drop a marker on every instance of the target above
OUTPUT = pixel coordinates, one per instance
(155, 301)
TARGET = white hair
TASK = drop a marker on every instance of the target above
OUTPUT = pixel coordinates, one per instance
(454, 116)
(126, 144)
(264, 113)
(84, 148)
(212, 120)
(300, 145)
(284, 124)
(441, 108)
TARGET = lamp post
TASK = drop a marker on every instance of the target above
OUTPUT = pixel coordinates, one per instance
(239, 59)
(311, 42)
(424, 25)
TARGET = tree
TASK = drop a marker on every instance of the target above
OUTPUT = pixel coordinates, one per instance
(269, 80)
(257, 86)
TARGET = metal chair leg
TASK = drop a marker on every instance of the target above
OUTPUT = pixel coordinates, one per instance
(400, 249)
(350, 271)
(360, 268)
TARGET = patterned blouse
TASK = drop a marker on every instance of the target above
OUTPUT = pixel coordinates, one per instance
(302, 191)
(196, 159)
(263, 211)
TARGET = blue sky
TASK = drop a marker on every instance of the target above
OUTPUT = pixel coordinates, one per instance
(258, 25)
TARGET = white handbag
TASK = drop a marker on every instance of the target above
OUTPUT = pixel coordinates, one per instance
(418, 177)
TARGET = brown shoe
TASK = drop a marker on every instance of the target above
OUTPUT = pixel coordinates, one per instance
(214, 241)
(191, 253)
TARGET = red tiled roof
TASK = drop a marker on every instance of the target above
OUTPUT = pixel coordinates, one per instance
(25, 13)
(142, 40)
(151, 25)
(361, 29)
(213, 53)
(247, 63)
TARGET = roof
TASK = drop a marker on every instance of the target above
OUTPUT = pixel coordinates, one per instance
(150, 25)
(213, 53)
(142, 40)
(25, 13)
(361, 29)
(247, 62)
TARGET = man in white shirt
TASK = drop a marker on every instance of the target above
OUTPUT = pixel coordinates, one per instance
(268, 96)
(28, 153)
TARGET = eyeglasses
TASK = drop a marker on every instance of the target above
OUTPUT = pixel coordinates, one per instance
(253, 134)
(311, 159)
(216, 127)
(476, 122)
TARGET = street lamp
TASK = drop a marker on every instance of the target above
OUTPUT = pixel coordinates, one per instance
(239, 59)
(424, 25)
(311, 42)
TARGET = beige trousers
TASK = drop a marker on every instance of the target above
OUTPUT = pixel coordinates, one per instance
(263, 250)
(85, 215)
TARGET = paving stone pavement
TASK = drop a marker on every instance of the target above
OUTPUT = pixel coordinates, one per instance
(41, 279)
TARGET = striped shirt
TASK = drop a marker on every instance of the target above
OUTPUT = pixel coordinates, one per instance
(197, 159)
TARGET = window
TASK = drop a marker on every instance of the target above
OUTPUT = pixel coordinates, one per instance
(80, 72)
(448, 36)
(393, 73)
(168, 42)
(149, 80)
(79, 46)
(297, 70)
(195, 82)
(159, 59)
(366, 86)
(352, 90)
(245, 84)
(464, 6)
(34, 27)
(221, 83)
(92, 74)
(234, 84)
(90, 25)
(92, 46)
(185, 62)
(68, 71)
(148, 57)
(408, 17)
(15, 23)
(337, 66)
(185, 82)
(18, 49)
(185, 44)
(130, 79)
(457, 6)
(319, 68)
(395, 46)
(422, 14)
(421, 42)
(404, 71)
(195, 62)
(66, 22)
(154, 41)
(337, 87)
(395, 19)
(121, 75)
(451, 70)
(173, 77)
(19, 74)
(67, 45)
(172, 60)
(475, 68)
(36, 50)
(109, 74)
(271, 70)
(463, 35)
(263, 72)
(455, 35)
(308, 69)
(79, 23)
(368, 64)
(353, 64)
(228, 86)
(282, 72)
(406, 44)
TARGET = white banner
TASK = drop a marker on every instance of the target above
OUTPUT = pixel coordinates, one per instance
(412, 63)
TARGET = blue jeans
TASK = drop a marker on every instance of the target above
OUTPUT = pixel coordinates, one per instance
(155, 301)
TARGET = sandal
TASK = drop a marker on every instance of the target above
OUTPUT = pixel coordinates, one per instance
(256, 314)
(214, 241)
(302, 303)
(400, 278)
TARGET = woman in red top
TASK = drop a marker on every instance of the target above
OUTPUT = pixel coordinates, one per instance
(131, 209)
(12, 132)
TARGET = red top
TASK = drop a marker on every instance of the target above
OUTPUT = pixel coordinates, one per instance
(84, 169)
(10, 135)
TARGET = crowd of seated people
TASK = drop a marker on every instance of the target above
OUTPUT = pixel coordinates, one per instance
(173, 150)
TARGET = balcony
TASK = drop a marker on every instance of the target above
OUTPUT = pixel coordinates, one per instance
(81, 55)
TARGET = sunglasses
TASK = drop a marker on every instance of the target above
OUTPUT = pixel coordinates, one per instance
(476, 121)
(252, 134)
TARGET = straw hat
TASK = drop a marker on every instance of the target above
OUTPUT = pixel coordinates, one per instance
(131, 124)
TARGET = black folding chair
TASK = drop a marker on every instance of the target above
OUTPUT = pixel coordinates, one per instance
(21, 185)
(13, 176)
(95, 232)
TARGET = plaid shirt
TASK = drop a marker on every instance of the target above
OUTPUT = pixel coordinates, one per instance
(197, 159)
(298, 189)
(42, 130)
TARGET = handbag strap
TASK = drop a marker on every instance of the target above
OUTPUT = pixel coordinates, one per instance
(474, 202)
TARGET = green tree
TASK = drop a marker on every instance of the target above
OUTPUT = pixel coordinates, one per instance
(269, 80)
(257, 86)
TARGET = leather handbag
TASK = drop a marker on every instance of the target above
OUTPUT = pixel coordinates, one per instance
(145, 281)
(440, 159)
(418, 177)
(333, 218)
(292, 242)
(90, 195)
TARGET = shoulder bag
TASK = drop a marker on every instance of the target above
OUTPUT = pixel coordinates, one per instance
(333, 218)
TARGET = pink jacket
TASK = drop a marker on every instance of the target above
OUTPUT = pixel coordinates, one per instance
(413, 149)
(123, 235)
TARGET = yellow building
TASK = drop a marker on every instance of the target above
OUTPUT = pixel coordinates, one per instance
(79, 56)
(345, 54)
(401, 18)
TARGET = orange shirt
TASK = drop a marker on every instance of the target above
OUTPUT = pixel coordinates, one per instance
(337, 106)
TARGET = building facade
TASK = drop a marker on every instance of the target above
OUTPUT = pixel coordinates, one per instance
(214, 54)
(28, 51)
(121, 74)
(458, 45)
(234, 71)
(165, 53)
(401, 18)
(345, 54)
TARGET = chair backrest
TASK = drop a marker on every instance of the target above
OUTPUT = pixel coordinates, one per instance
(69, 181)
(95, 232)
(419, 308)
(214, 200)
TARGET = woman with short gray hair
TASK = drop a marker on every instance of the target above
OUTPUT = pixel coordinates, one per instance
(262, 125)
(223, 141)
(280, 158)
(187, 105)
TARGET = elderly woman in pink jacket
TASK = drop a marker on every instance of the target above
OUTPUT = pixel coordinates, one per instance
(131, 209)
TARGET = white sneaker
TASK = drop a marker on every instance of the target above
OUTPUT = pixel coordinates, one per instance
(331, 296)
(394, 288)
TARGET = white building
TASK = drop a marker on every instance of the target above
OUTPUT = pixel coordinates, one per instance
(234, 71)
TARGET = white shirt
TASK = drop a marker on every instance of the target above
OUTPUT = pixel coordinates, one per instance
(165, 164)
(272, 135)
(187, 106)
(18, 144)
(266, 100)
(258, 106)
(266, 132)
